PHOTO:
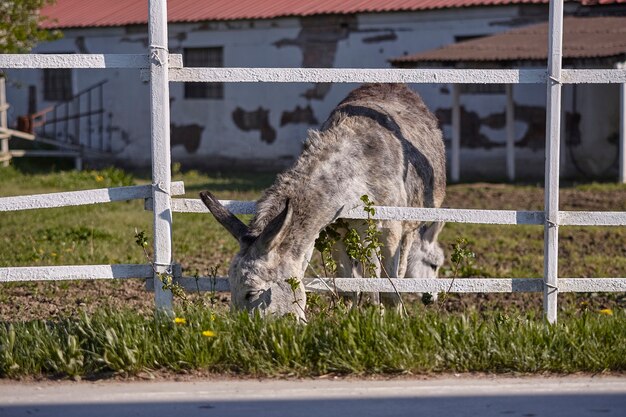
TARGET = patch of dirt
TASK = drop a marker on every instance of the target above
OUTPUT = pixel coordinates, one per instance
(31, 300)
(47, 300)
(505, 197)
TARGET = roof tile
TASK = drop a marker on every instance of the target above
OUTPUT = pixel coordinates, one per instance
(89, 13)
(583, 37)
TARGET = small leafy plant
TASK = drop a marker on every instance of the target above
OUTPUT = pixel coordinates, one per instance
(462, 259)
(166, 277)
(362, 248)
(294, 284)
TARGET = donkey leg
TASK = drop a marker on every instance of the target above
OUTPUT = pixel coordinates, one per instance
(346, 268)
(392, 253)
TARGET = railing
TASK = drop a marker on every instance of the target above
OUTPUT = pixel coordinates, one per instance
(163, 68)
(78, 121)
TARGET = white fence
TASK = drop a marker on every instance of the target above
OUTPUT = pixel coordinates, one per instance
(162, 68)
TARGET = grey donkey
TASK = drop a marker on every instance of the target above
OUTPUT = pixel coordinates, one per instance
(426, 255)
(381, 141)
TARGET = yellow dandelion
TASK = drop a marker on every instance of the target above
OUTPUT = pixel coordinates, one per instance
(208, 333)
(606, 311)
(99, 178)
(180, 320)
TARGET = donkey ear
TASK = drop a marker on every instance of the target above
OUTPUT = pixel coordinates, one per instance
(431, 232)
(274, 232)
(227, 219)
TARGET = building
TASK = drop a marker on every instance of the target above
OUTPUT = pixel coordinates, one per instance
(591, 139)
(216, 126)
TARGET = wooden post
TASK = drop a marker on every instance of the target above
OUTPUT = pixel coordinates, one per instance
(553, 139)
(455, 150)
(161, 157)
(510, 133)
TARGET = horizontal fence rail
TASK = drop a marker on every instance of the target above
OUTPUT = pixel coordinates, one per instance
(85, 197)
(416, 76)
(419, 285)
(592, 218)
(75, 272)
(87, 61)
(566, 218)
(293, 75)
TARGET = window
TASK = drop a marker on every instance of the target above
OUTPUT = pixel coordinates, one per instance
(57, 84)
(204, 57)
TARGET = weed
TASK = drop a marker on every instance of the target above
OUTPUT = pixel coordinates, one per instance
(294, 285)
(213, 274)
(166, 278)
(462, 260)
(364, 250)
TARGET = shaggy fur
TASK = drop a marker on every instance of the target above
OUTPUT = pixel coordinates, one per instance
(381, 141)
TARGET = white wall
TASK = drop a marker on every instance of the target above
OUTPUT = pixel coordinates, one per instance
(368, 41)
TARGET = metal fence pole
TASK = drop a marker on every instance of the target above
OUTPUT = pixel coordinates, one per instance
(455, 149)
(510, 133)
(160, 139)
(622, 129)
(4, 142)
(553, 138)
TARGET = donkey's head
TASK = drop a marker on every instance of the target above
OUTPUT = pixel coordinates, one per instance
(259, 273)
(426, 255)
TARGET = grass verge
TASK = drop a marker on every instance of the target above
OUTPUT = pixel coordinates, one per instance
(358, 342)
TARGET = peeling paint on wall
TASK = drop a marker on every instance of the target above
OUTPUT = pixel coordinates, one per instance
(255, 120)
(317, 92)
(80, 45)
(318, 39)
(188, 136)
(300, 115)
(225, 25)
(389, 36)
(142, 40)
(471, 137)
(136, 34)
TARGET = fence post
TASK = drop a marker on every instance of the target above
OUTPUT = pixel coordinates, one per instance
(510, 133)
(553, 140)
(622, 129)
(160, 140)
(455, 150)
(4, 141)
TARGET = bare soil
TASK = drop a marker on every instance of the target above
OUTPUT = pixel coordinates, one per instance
(46, 300)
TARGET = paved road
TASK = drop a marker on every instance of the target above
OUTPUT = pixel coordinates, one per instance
(483, 397)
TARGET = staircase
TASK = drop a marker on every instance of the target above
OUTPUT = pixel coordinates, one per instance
(71, 129)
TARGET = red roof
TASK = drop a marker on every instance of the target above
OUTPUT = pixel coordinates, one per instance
(89, 13)
(583, 37)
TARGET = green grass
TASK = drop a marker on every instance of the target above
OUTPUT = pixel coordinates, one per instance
(358, 342)
(484, 336)
(104, 233)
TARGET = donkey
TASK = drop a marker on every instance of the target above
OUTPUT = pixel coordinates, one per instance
(426, 256)
(381, 141)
